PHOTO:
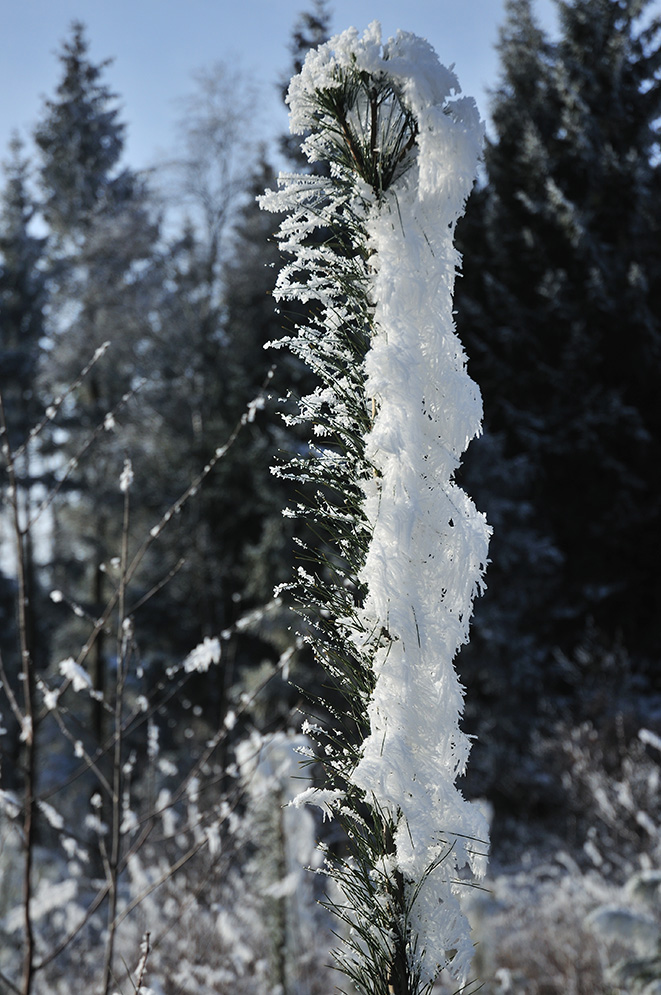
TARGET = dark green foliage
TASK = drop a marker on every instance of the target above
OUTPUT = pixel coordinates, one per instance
(22, 299)
(367, 126)
(328, 474)
(186, 323)
(561, 314)
(105, 279)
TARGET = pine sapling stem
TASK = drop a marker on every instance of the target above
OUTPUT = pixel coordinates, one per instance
(371, 242)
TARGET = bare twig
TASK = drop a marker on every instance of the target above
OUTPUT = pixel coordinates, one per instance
(123, 653)
(28, 716)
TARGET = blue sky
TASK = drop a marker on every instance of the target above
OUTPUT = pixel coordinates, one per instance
(158, 44)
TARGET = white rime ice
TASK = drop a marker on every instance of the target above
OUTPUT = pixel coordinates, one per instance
(429, 544)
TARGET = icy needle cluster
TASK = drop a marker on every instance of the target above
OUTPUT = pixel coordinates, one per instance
(373, 255)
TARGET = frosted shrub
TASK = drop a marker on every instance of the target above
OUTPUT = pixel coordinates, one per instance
(530, 931)
(591, 922)
(115, 853)
(296, 936)
(389, 593)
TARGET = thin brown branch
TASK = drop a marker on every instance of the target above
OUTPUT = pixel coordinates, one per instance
(11, 987)
(75, 460)
(11, 697)
(171, 512)
(142, 966)
(54, 407)
(123, 652)
(157, 587)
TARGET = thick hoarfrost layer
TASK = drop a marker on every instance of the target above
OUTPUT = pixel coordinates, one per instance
(429, 544)
(406, 58)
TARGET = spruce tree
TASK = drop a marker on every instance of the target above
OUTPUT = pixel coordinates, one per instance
(603, 447)
(105, 284)
(591, 305)
(215, 317)
(503, 241)
(559, 307)
(212, 339)
(81, 141)
(23, 298)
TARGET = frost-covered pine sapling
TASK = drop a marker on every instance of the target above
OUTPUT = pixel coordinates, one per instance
(401, 552)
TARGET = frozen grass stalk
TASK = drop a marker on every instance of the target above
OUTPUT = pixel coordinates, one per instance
(388, 587)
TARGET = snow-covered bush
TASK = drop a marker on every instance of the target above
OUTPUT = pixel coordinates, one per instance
(389, 593)
(589, 920)
(296, 933)
(117, 848)
(530, 929)
(549, 927)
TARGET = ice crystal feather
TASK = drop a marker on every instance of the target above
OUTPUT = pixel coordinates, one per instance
(389, 597)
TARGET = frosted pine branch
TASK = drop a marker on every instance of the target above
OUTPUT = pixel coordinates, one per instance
(372, 252)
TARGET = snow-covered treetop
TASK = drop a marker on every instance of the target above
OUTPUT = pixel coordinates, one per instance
(406, 58)
(377, 99)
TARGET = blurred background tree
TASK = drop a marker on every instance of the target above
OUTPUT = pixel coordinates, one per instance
(22, 305)
(560, 313)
